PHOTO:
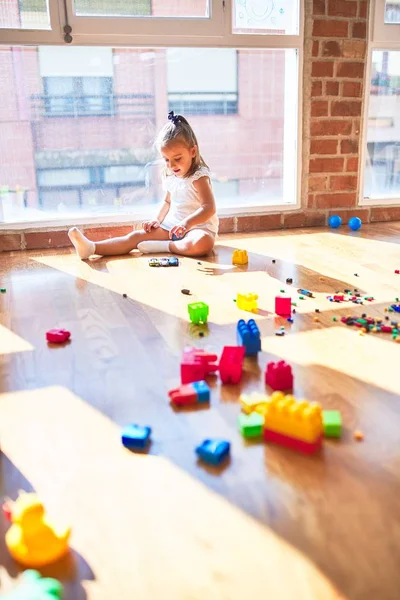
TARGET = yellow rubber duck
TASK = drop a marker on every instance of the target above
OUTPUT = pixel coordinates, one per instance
(32, 539)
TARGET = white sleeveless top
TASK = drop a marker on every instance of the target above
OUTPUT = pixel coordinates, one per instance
(185, 200)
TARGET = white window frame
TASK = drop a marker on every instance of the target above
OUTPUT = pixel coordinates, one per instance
(164, 32)
(382, 36)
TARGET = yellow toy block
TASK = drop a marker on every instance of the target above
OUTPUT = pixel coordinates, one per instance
(254, 402)
(296, 418)
(247, 302)
(239, 257)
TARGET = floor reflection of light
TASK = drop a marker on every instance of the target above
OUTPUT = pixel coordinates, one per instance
(142, 524)
(10, 342)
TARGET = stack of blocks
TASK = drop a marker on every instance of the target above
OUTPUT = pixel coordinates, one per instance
(279, 376)
(231, 364)
(283, 420)
(197, 364)
(197, 392)
(248, 335)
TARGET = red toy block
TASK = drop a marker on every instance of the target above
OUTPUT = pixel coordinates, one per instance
(58, 336)
(397, 271)
(183, 395)
(279, 376)
(386, 329)
(292, 443)
(231, 364)
(283, 306)
(197, 364)
(339, 297)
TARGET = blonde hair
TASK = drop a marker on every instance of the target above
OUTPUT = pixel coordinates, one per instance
(177, 129)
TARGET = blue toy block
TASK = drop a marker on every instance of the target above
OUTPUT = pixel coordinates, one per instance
(248, 335)
(213, 452)
(135, 436)
(202, 390)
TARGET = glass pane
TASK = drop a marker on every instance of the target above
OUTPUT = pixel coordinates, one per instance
(24, 14)
(73, 144)
(382, 174)
(266, 16)
(142, 8)
(392, 11)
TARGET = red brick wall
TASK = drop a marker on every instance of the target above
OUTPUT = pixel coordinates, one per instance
(337, 43)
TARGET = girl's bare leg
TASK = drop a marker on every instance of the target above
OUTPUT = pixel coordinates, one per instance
(196, 242)
(113, 246)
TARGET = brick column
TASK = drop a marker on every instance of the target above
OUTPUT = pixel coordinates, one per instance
(334, 67)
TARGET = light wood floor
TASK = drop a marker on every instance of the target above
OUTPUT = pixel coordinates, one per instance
(271, 525)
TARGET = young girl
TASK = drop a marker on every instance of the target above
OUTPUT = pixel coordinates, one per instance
(187, 222)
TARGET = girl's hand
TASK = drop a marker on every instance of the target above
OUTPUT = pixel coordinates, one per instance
(149, 225)
(179, 230)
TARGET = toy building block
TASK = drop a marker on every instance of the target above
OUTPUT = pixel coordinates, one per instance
(198, 312)
(231, 364)
(248, 335)
(197, 392)
(301, 420)
(57, 336)
(283, 306)
(135, 436)
(332, 420)
(213, 452)
(197, 364)
(251, 425)
(239, 257)
(279, 376)
(32, 586)
(247, 302)
(33, 540)
(292, 443)
(254, 402)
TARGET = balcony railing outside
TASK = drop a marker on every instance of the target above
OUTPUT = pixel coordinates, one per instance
(109, 105)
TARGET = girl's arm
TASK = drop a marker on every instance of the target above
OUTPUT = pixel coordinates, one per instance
(155, 223)
(204, 212)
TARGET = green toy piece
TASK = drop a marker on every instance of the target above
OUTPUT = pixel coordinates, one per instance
(251, 425)
(3, 290)
(198, 312)
(332, 420)
(33, 586)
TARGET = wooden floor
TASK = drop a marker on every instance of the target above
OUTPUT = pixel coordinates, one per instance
(272, 524)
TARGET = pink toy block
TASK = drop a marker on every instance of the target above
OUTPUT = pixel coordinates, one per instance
(197, 364)
(57, 336)
(279, 376)
(231, 364)
(292, 443)
(283, 306)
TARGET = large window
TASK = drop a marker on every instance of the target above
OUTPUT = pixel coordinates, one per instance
(382, 123)
(78, 121)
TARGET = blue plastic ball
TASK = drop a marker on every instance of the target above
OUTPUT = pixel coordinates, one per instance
(354, 223)
(335, 221)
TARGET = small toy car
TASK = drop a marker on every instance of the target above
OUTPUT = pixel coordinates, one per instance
(166, 261)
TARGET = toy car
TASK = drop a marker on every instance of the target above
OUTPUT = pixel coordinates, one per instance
(166, 261)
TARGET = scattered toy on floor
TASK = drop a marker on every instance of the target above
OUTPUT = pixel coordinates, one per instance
(168, 261)
(335, 221)
(197, 364)
(305, 293)
(354, 223)
(57, 336)
(124, 295)
(283, 306)
(186, 292)
(135, 437)
(289, 280)
(279, 376)
(32, 586)
(231, 364)
(3, 290)
(33, 540)
(213, 451)
(247, 302)
(240, 257)
(251, 425)
(198, 312)
(248, 335)
(197, 392)
(358, 435)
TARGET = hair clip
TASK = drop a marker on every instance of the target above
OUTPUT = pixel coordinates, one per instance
(173, 117)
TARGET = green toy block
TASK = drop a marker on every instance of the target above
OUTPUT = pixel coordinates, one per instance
(251, 425)
(198, 312)
(32, 586)
(332, 420)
